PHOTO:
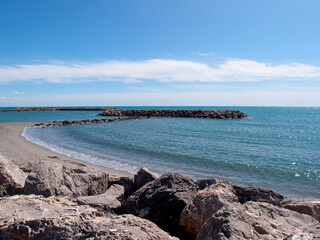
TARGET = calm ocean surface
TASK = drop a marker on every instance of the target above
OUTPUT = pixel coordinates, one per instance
(277, 147)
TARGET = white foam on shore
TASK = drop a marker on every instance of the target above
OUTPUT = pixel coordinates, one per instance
(105, 162)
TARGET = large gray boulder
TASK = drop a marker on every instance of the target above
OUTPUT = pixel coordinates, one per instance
(257, 194)
(105, 202)
(126, 182)
(12, 178)
(204, 204)
(246, 193)
(162, 200)
(306, 206)
(61, 179)
(258, 220)
(34, 217)
(143, 176)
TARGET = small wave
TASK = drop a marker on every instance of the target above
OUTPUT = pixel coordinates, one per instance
(105, 162)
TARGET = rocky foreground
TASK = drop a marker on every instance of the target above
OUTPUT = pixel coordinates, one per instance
(216, 114)
(72, 201)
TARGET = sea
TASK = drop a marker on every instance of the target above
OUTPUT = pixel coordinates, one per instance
(276, 147)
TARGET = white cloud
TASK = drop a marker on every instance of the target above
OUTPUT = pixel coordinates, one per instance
(204, 54)
(163, 70)
(18, 93)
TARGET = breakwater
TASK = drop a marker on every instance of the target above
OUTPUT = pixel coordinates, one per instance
(67, 123)
(215, 114)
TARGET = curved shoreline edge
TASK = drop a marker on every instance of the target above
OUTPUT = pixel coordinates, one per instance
(26, 154)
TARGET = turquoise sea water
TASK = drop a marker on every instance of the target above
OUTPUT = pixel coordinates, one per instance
(277, 147)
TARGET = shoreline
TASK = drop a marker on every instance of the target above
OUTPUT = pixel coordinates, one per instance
(26, 154)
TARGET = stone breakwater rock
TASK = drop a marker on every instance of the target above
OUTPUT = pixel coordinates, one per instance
(143, 176)
(67, 123)
(104, 202)
(245, 193)
(57, 179)
(257, 194)
(203, 205)
(162, 200)
(218, 114)
(257, 221)
(12, 178)
(35, 217)
(126, 182)
(306, 206)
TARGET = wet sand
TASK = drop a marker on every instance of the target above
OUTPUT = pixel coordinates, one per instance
(26, 154)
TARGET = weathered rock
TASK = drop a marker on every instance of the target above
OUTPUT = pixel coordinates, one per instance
(204, 204)
(306, 206)
(258, 220)
(57, 179)
(116, 191)
(35, 217)
(162, 200)
(219, 114)
(257, 194)
(203, 183)
(35, 207)
(104, 202)
(126, 182)
(12, 178)
(143, 176)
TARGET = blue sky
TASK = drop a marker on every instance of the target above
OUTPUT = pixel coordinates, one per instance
(68, 53)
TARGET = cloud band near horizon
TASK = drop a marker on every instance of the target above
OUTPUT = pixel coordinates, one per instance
(161, 70)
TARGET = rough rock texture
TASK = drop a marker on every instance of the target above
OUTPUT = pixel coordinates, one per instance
(203, 183)
(143, 176)
(67, 123)
(12, 178)
(162, 200)
(34, 207)
(116, 191)
(104, 202)
(203, 205)
(257, 194)
(219, 114)
(57, 179)
(126, 182)
(254, 220)
(35, 217)
(306, 206)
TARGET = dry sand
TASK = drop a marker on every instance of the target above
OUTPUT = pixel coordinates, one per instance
(26, 154)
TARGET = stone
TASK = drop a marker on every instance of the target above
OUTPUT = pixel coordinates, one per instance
(258, 220)
(306, 206)
(143, 176)
(104, 202)
(257, 194)
(61, 179)
(36, 217)
(162, 200)
(116, 191)
(126, 182)
(12, 178)
(203, 205)
(203, 183)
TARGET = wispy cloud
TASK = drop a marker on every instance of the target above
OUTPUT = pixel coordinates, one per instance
(162, 70)
(18, 93)
(204, 54)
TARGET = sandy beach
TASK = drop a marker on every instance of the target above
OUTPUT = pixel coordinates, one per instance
(26, 154)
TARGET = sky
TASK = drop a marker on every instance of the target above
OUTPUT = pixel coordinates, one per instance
(159, 53)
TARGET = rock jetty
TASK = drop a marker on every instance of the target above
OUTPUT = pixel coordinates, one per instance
(63, 200)
(67, 123)
(215, 114)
